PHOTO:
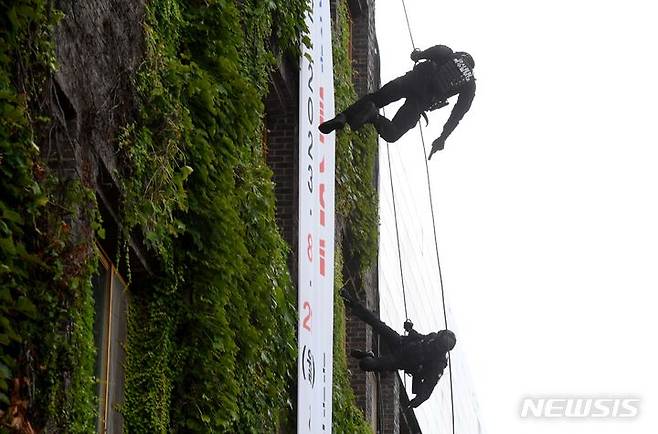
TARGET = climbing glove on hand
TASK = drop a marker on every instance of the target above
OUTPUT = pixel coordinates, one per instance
(437, 145)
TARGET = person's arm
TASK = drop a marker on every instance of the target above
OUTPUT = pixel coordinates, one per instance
(416, 384)
(425, 388)
(458, 111)
(437, 54)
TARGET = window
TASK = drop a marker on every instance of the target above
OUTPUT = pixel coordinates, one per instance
(110, 332)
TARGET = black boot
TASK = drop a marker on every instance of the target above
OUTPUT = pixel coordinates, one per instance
(336, 123)
(365, 115)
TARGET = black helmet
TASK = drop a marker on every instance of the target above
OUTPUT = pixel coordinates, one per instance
(446, 339)
(467, 58)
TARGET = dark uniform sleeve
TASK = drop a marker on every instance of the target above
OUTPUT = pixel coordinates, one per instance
(423, 387)
(426, 379)
(437, 54)
(459, 110)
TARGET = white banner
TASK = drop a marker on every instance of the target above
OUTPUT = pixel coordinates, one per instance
(316, 226)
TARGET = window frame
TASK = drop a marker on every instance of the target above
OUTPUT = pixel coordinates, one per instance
(113, 281)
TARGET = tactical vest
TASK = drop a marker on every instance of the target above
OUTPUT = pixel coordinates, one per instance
(451, 76)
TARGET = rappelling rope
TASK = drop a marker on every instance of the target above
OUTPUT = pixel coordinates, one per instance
(397, 232)
(406, 16)
(438, 262)
(397, 236)
(436, 243)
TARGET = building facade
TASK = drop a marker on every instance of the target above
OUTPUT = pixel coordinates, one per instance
(147, 289)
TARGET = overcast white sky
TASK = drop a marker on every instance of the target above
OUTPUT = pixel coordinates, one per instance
(546, 196)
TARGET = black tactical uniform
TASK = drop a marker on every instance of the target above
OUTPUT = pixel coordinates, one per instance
(422, 356)
(426, 87)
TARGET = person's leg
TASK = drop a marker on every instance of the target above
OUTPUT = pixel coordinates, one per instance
(404, 120)
(391, 91)
(413, 84)
(365, 110)
(379, 364)
(390, 336)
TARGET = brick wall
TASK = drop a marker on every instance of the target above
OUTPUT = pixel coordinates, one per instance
(365, 50)
(365, 64)
(281, 147)
(360, 336)
(389, 389)
(408, 424)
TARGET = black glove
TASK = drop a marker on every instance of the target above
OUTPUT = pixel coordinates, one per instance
(437, 145)
(408, 325)
(415, 55)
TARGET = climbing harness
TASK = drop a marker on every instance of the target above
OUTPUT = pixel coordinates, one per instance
(435, 105)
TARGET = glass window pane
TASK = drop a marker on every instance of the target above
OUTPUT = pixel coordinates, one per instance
(110, 332)
(118, 334)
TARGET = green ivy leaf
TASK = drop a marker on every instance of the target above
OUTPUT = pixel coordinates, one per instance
(185, 172)
(7, 244)
(4, 371)
(26, 307)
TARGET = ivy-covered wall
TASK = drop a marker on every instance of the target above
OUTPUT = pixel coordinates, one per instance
(46, 261)
(221, 314)
(356, 216)
(211, 344)
(356, 196)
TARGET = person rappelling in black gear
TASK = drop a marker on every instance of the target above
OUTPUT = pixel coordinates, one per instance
(426, 87)
(424, 357)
